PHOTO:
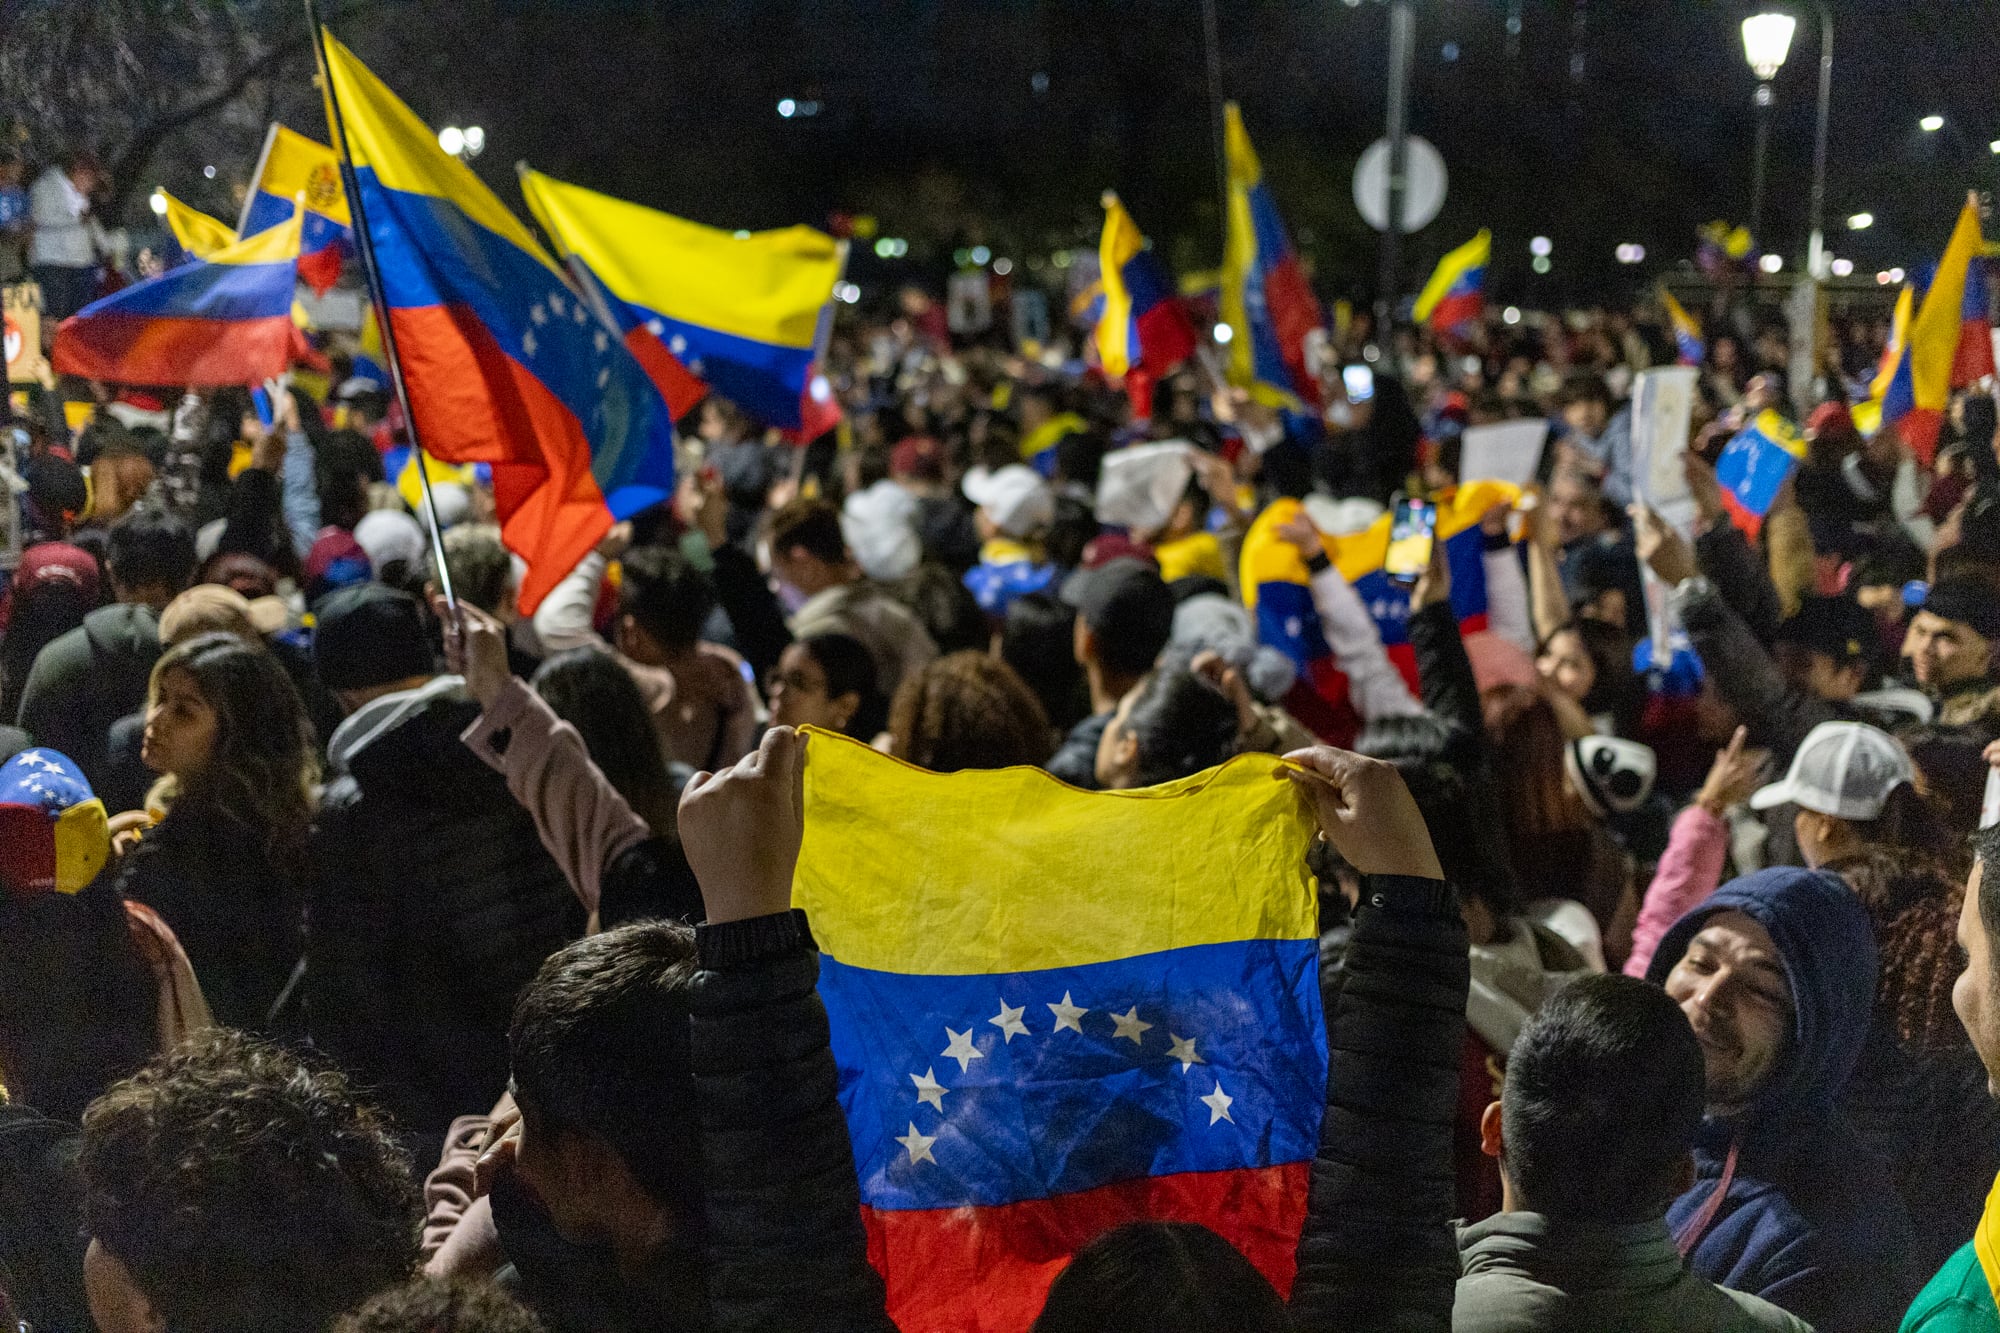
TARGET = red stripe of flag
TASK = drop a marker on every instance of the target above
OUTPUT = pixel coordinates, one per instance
(166, 349)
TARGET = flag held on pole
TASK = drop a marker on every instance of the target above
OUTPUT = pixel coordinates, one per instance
(1266, 300)
(1456, 293)
(290, 167)
(1946, 344)
(1143, 327)
(198, 234)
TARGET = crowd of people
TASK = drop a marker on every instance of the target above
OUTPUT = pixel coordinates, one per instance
(372, 959)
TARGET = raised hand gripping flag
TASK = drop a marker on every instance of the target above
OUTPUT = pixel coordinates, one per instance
(1056, 1011)
(742, 312)
(1456, 293)
(1143, 331)
(1753, 467)
(1266, 300)
(293, 166)
(504, 363)
(223, 320)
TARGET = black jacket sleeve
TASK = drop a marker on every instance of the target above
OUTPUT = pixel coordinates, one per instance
(753, 612)
(1777, 715)
(787, 1249)
(1378, 1251)
(1741, 578)
(256, 520)
(1444, 672)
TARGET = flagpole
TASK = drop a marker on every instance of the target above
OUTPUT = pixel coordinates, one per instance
(350, 181)
(1212, 43)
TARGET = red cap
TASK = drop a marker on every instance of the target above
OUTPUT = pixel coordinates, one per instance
(920, 457)
(1830, 417)
(1108, 546)
(52, 564)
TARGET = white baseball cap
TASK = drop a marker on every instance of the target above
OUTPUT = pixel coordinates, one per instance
(1842, 769)
(1015, 497)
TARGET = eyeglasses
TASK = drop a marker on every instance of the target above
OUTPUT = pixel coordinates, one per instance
(799, 681)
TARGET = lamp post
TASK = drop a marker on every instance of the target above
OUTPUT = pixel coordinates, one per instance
(1816, 244)
(1767, 40)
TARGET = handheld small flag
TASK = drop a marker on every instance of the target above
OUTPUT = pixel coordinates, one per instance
(1456, 293)
(503, 362)
(223, 320)
(198, 234)
(1056, 1011)
(741, 312)
(292, 166)
(1688, 344)
(1947, 344)
(1266, 300)
(1142, 332)
(1754, 465)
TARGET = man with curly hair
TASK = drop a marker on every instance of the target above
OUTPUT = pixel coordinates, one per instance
(230, 1188)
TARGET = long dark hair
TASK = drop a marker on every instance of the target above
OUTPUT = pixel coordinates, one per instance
(850, 669)
(590, 690)
(1913, 903)
(264, 767)
(1181, 724)
(1161, 1277)
(40, 614)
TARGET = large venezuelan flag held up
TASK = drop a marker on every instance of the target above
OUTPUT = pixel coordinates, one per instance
(1947, 344)
(504, 364)
(1456, 293)
(293, 166)
(1056, 1011)
(1143, 325)
(223, 320)
(1266, 300)
(742, 312)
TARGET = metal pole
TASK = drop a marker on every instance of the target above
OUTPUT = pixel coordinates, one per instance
(1816, 244)
(1402, 43)
(1763, 105)
(350, 181)
(1213, 45)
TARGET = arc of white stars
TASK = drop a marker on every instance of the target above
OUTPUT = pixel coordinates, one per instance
(929, 1089)
(1218, 1104)
(961, 1048)
(1008, 1020)
(1130, 1026)
(1068, 1015)
(528, 342)
(1182, 1049)
(918, 1145)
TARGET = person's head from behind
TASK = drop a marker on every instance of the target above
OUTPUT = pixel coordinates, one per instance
(1433, 756)
(437, 1305)
(370, 640)
(1611, 1062)
(968, 710)
(1161, 1277)
(828, 681)
(150, 556)
(343, 465)
(1827, 647)
(1124, 618)
(1172, 725)
(207, 608)
(482, 569)
(1951, 640)
(663, 601)
(1038, 641)
(224, 720)
(807, 548)
(1976, 994)
(593, 692)
(602, 1075)
(1576, 502)
(231, 1188)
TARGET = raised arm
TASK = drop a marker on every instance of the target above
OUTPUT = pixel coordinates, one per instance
(1691, 866)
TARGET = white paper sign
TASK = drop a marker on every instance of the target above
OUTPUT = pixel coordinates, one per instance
(1139, 487)
(1989, 808)
(1508, 451)
(1662, 413)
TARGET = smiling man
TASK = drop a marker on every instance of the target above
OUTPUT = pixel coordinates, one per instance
(1776, 974)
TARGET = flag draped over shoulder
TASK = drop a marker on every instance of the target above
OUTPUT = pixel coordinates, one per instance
(742, 312)
(293, 166)
(1056, 1011)
(1143, 331)
(1266, 300)
(198, 234)
(1456, 293)
(1946, 344)
(223, 320)
(504, 363)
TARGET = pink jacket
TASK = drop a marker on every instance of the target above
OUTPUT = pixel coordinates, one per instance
(582, 819)
(1688, 872)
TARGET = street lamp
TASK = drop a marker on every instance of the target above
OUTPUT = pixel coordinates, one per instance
(1767, 40)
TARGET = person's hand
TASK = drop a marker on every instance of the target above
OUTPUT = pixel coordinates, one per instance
(1543, 529)
(741, 829)
(1365, 811)
(1736, 773)
(503, 1141)
(704, 507)
(1434, 584)
(616, 541)
(1300, 532)
(1703, 486)
(475, 647)
(1216, 476)
(1659, 546)
(1494, 521)
(126, 830)
(1991, 754)
(1222, 674)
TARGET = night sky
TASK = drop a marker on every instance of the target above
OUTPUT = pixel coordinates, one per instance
(1596, 123)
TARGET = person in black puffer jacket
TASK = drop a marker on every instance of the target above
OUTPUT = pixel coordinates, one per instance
(431, 900)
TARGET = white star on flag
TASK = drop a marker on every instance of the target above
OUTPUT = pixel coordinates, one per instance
(1217, 1102)
(528, 342)
(604, 376)
(678, 346)
(1067, 1013)
(1009, 1021)
(656, 327)
(929, 1089)
(918, 1145)
(556, 302)
(601, 341)
(962, 1049)
(1129, 1026)
(1182, 1050)
(538, 314)
(581, 316)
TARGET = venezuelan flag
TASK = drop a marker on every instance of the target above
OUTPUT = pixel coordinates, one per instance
(1142, 326)
(1456, 293)
(1753, 466)
(1057, 1011)
(1947, 344)
(741, 311)
(370, 361)
(504, 364)
(1687, 332)
(223, 320)
(1266, 300)
(198, 234)
(290, 166)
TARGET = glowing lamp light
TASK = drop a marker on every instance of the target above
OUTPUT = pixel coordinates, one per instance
(158, 203)
(1631, 253)
(1223, 333)
(1896, 274)
(1540, 263)
(1931, 124)
(1843, 268)
(1541, 247)
(452, 140)
(1003, 266)
(1860, 221)
(1511, 315)
(1770, 263)
(1767, 40)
